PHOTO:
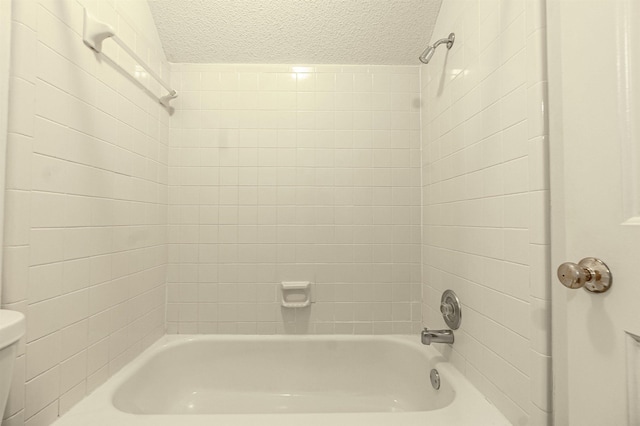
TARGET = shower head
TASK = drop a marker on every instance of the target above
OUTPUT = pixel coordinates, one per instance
(430, 50)
(427, 54)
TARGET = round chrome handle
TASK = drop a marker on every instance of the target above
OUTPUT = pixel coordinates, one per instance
(446, 309)
(451, 309)
(590, 273)
(572, 275)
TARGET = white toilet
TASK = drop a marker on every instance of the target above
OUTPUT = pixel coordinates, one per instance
(12, 327)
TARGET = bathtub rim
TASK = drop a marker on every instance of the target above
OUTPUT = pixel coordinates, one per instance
(468, 403)
(396, 346)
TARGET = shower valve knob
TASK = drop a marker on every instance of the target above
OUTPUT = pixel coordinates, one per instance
(590, 273)
(451, 309)
(446, 309)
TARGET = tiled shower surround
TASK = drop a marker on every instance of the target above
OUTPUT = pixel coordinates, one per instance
(381, 185)
(485, 198)
(281, 173)
(86, 204)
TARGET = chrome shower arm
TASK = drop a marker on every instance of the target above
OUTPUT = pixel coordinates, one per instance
(425, 57)
(449, 40)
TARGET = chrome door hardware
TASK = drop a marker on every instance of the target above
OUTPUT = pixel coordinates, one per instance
(451, 310)
(590, 273)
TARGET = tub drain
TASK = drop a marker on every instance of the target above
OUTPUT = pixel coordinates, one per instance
(435, 379)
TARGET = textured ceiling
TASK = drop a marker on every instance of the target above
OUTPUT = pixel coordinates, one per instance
(295, 31)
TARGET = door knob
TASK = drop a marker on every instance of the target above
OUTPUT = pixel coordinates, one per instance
(591, 273)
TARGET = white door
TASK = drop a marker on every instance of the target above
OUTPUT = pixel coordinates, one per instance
(594, 113)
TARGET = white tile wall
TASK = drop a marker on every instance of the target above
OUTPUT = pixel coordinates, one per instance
(86, 212)
(272, 173)
(294, 173)
(485, 198)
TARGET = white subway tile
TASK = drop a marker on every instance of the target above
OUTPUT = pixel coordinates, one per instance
(73, 339)
(541, 381)
(43, 319)
(42, 354)
(23, 45)
(15, 274)
(15, 401)
(540, 325)
(44, 417)
(539, 271)
(73, 371)
(72, 397)
(42, 391)
(17, 222)
(22, 104)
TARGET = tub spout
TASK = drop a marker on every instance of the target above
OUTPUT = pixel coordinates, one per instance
(436, 336)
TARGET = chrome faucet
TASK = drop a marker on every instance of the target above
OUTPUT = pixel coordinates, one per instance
(452, 314)
(436, 336)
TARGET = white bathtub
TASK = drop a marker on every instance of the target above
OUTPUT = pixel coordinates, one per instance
(285, 381)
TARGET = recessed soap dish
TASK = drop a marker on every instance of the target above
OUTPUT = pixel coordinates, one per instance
(296, 294)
